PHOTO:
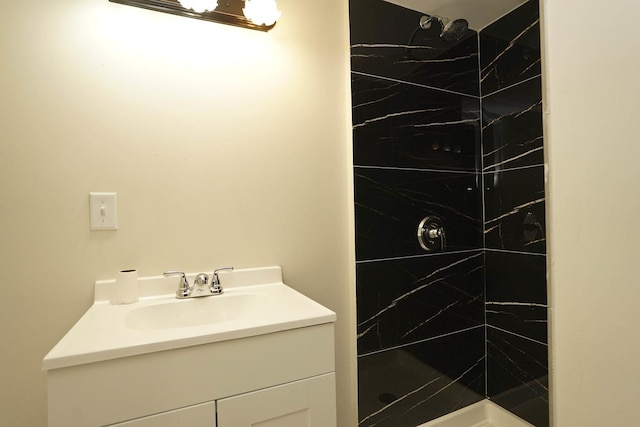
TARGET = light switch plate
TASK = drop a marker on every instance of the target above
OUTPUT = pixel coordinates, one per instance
(103, 211)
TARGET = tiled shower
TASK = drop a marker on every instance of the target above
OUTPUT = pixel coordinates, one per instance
(452, 130)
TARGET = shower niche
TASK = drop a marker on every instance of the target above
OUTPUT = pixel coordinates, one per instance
(449, 128)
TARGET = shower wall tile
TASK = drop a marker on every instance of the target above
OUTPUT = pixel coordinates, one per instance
(390, 203)
(512, 127)
(416, 127)
(411, 385)
(510, 49)
(516, 293)
(517, 376)
(404, 125)
(387, 41)
(515, 210)
(411, 299)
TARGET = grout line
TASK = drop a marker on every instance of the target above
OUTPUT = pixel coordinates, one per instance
(366, 261)
(518, 335)
(464, 251)
(515, 252)
(421, 341)
(510, 86)
(513, 169)
(359, 73)
(467, 172)
(484, 221)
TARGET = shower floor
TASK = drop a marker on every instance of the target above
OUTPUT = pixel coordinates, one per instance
(398, 389)
(480, 414)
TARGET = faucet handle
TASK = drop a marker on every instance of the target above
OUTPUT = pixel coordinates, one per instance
(183, 288)
(215, 280)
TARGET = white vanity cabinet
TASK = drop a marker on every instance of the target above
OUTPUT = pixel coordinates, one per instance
(282, 378)
(305, 403)
(260, 354)
(194, 416)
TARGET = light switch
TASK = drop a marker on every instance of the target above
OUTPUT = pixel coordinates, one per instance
(103, 211)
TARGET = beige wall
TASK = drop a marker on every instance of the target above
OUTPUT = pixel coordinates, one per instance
(593, 108)
(225, 146)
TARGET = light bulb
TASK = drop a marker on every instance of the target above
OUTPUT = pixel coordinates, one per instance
(261, 12)
(199, 6)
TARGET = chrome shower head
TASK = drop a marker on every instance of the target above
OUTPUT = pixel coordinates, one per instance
(451, 30)
(454, 30)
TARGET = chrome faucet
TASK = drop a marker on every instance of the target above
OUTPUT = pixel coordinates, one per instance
(202, 286)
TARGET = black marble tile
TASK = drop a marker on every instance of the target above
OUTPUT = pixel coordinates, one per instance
(411, 299)
(411, 385)
(390, 203)
(510, 48)
(517, 376)
(512, 127)
(403, 125)
(516, 293)
(387, 41)
(515, 209)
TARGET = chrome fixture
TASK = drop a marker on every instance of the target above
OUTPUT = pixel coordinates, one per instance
(431, 234)
(452, 31)
(258, 15)
(202, 286)
(215, 285)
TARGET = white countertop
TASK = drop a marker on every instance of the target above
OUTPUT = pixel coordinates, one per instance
(254, 302)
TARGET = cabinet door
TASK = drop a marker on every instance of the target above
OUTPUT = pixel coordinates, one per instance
(203, 415)
(306, 403)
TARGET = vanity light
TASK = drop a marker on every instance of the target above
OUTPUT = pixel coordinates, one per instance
(261, 12)
(199, 6)
(260, 15)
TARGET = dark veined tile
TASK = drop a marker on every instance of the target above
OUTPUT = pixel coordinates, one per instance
(403, 125)
(411, 385)
(410, 299)
(515, 210)
(387, 41)
(516, 293)
(512, 127)
(510, 48)
(391, 203)
(517, 376)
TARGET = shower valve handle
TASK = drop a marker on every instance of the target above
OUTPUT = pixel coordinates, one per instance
(431, 235)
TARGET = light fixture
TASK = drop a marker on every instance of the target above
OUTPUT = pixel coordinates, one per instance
(200, 6)
(258, 15)
(261, 12)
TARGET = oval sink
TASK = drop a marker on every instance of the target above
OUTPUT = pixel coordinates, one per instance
(195, 311)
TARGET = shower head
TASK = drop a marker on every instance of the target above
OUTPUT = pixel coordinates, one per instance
(451, 30)
(454, 30)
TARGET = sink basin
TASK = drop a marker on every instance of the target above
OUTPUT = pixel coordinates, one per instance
(196, 311)
(254, 302)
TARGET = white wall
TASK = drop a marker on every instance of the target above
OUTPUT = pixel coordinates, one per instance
(592, 102)
(225, 146)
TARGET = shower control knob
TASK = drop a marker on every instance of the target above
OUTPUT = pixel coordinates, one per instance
(434, 233)
(431, 235)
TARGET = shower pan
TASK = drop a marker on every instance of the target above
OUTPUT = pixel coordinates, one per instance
(481, 414)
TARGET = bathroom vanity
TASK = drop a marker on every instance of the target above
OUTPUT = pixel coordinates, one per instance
(259, 354)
